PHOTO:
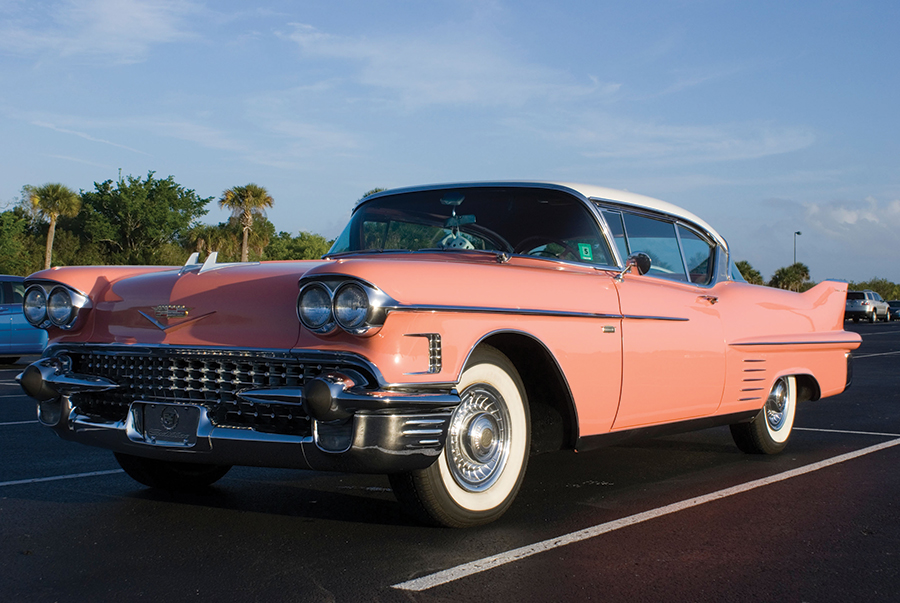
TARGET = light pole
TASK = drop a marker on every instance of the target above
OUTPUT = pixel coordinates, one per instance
(796, 233)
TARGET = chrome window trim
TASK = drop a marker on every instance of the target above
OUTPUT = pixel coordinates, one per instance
(586, 202)
(720, 257)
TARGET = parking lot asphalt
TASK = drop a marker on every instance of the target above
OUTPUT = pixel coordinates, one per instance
(682, 518)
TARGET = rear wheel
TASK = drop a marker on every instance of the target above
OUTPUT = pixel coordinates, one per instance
(169, 475)
(769, 431)
(478, 474)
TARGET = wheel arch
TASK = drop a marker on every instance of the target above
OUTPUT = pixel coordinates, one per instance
(807, 387)
(554, 419)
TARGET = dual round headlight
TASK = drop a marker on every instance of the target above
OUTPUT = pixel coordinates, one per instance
(60, 308)
(321, 310)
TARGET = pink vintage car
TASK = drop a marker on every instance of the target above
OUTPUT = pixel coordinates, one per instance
(451, 332)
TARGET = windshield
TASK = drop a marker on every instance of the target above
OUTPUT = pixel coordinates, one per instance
(529, 221)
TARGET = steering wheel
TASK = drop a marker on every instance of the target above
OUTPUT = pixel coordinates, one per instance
(530, 245)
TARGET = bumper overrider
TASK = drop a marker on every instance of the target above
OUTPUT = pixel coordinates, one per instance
(309, 410)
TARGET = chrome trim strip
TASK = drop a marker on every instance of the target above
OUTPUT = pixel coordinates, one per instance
(764, 343)
(529, 312)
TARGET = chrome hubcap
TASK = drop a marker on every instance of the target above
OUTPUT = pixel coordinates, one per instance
(775, 405)
(478, 439)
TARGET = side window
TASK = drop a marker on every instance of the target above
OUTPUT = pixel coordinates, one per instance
(657, 239)
(18, 293)
(614, 221)
(698, 256)
(3, 294)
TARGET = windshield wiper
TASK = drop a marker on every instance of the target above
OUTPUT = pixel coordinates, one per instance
(363, 251)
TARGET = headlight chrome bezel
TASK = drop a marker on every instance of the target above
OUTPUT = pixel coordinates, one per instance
(73, 303)
(337, 288)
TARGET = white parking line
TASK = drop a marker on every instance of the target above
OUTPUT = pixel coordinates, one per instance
(855, 357)
(36, 480)
(481, 565)
(17, 423)
(871, 433)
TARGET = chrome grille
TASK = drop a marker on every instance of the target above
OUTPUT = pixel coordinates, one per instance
(208, 378)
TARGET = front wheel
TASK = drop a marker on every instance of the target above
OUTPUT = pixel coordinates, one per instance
(478, 474)
(169, 475)
(769, 431)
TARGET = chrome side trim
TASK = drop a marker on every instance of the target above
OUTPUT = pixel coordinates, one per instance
(511, 311)
(780, 343)
(527, 312)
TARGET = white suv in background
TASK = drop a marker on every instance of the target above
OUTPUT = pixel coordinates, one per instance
(867, 305)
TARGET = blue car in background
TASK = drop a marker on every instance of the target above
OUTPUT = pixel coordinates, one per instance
(17, 336)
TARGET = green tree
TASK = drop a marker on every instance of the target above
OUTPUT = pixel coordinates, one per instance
(793, 277)
(246, 204)
(49, 202)
(750, 274)
(13, 253)
(140, 221)
(885, 288)
(372, 192)
(305, 246)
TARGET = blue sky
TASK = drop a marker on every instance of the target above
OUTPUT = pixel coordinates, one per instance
(764, 118)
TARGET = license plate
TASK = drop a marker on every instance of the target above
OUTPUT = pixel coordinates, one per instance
(166, 424)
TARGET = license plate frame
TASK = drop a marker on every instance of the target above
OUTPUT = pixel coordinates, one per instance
(162, 424)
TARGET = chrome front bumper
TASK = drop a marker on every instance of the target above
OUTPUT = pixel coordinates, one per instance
(353, 428)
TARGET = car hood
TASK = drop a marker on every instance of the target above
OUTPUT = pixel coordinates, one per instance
(240, 305)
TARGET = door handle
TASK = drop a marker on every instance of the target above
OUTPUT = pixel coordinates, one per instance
(710, 299)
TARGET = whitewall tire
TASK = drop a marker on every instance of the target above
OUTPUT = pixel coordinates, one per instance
(769, 431)
(481, 468)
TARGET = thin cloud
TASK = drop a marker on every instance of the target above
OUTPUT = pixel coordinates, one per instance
(55, 128)
(444, 68)
(119, 30)
(622, 139)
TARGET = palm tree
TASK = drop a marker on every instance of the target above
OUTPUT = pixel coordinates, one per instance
(750, 274)
(50, 202)
(792, 277)
(245, 203)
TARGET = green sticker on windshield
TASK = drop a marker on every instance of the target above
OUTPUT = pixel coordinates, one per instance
(585, 250)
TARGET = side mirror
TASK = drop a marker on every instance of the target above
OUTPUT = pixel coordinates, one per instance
(639, 259)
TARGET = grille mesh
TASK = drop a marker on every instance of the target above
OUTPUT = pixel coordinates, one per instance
(211, 379)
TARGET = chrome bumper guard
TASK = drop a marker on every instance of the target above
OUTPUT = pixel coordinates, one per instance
(353, 429)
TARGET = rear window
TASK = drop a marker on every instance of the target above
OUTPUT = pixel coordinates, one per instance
(856, 295)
